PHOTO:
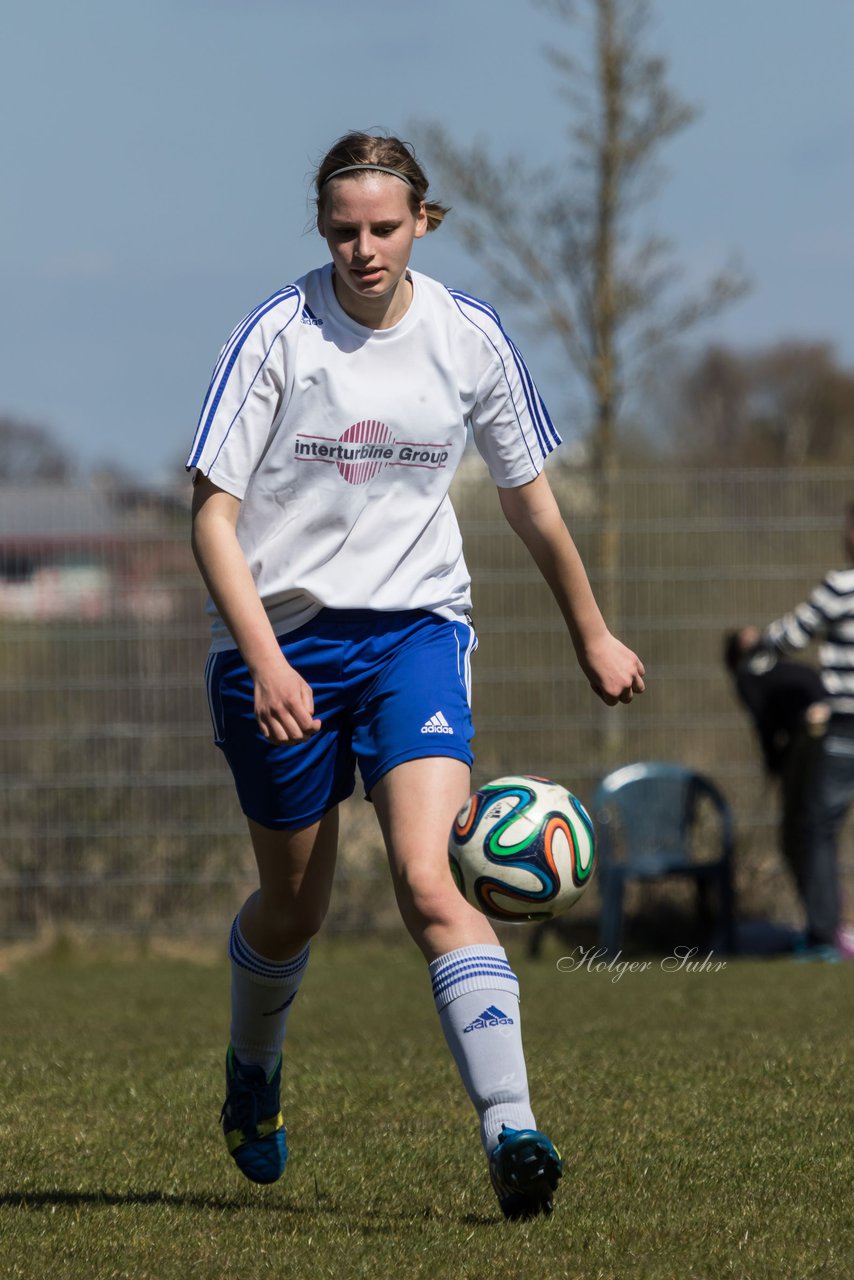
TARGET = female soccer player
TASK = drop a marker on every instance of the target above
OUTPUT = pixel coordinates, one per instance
(332, 427)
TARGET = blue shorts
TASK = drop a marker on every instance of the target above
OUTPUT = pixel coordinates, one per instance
(388, 687)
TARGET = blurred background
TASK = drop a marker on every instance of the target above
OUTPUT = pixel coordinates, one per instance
(656, 197)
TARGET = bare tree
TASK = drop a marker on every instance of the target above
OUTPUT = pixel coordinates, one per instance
(560, 241)
(790, 404)
(29, 454)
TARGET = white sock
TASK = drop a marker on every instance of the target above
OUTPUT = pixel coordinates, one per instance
(477, 999)
(262, 992)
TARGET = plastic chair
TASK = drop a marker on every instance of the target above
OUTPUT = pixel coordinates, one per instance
(646, 816)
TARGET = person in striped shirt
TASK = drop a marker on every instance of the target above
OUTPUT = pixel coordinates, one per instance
(828, 614)
(336, 415)
(785, 702)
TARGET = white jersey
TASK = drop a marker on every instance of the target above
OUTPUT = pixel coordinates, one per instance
(341, 442)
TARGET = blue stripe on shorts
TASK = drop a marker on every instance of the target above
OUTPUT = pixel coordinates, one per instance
(388, 687)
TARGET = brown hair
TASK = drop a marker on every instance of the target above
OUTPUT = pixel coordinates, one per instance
(391, 153)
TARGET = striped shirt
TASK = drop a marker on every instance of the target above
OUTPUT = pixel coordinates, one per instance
(829, 613)
(341, 443)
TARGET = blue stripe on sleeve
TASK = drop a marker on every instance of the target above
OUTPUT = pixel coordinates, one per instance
(236, 331)
(539, 416)
(246, 323)
(228, 357)
(544, 430)
(536, 399)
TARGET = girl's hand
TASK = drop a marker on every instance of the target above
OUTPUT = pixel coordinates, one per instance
(284, 704)
(615, 673)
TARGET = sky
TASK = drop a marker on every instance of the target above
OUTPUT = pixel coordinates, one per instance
(156, 157)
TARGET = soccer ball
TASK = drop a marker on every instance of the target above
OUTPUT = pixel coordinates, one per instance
(522, 848)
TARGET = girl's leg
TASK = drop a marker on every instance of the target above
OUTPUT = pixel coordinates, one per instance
(270, 936)
(416, 804)
(269, 954)
(295, 873)
(475, 990)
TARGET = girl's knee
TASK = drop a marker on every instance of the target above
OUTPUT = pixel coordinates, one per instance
(289, 924)
(428, 904)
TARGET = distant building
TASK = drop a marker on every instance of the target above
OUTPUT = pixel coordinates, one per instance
(89, 553)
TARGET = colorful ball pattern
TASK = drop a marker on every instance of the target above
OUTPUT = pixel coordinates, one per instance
(522, 848)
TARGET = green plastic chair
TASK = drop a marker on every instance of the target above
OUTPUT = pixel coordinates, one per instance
(646, 823)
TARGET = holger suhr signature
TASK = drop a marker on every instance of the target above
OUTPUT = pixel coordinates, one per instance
(597, 960)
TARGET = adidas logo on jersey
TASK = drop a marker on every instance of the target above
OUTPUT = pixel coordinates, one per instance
(491, 1017)
(308, 317)
(436, 724)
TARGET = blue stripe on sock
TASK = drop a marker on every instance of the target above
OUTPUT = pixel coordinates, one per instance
(463, 972)
(242, 954)
(459, 966)
(479, 971)
(446, 965)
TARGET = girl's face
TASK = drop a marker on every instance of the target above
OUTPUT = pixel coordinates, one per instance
(370, 229)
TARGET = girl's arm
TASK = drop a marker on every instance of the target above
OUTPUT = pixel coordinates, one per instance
(284, 704)
(614, 672)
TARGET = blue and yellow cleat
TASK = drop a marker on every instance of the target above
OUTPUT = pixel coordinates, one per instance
(525, 1169)
(252, 1119)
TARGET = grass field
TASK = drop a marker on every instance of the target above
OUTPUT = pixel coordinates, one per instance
(706, 1119)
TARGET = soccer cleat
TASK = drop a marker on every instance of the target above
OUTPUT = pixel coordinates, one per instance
(252, 1119)
(819, 952)
(525, 1168)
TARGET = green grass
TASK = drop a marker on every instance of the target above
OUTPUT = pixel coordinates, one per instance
(706, 1120)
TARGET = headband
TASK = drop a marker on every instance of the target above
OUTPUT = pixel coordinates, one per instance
(380, 168)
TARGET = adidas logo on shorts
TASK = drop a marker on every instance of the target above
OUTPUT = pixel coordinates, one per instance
(436, 724)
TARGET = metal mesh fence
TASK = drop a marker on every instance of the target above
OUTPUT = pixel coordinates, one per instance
(116, 811)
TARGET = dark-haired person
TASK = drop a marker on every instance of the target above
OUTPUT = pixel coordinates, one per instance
(785, 701)
(828, 613)
(333, 424)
